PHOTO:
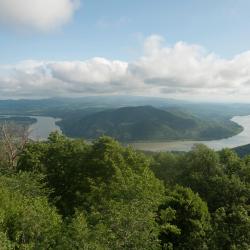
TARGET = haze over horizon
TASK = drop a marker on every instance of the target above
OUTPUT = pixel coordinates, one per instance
(72, 48)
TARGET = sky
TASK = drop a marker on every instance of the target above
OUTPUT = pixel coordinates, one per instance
(184, 49)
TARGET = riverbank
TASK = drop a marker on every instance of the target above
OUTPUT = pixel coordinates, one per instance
(44, 125)
(240, 139)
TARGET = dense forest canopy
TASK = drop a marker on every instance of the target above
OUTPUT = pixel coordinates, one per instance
(66, 194)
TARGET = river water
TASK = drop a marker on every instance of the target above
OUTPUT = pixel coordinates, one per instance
(240, 139)
(45, 125)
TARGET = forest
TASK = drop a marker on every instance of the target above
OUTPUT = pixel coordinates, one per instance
(67, 194)
(147, 123)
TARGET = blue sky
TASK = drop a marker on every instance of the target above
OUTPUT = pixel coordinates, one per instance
(115, 29)
(180, 49)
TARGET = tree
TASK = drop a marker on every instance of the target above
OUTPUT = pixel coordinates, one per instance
(112, 185)
(184, 220)
(231, 228)
(122, 225)
(124, 196)
(77, 235)
(13, 140)
(27, 220)
(62, 161)
(232, 164)
(199, 165)
(166, 167)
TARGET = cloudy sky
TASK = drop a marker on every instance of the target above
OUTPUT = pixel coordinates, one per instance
(194, 50)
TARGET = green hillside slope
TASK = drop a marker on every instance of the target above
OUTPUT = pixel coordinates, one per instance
(242, 150)
(146, 123)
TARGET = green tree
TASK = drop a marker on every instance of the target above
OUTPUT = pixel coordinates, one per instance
(89, 178)
(166, 167)
(232, 164)
(231, 229)
(62, 161)
(27, 221)
(184, 220)
(77, 235)
(124, 201)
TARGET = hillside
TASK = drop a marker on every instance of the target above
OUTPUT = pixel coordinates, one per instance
(19, 120)
(58, 106)
(145, 123)
(61, 107)
(242, 150)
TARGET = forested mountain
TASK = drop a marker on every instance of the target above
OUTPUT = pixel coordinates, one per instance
(58, 106)
(146, 123)
(24, 121)
(66, 194)
(63, 106)
(198, 121)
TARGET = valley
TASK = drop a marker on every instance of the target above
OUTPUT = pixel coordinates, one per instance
(147, 123)
(167, 126)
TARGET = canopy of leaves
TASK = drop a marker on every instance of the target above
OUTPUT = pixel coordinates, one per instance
(68, 194)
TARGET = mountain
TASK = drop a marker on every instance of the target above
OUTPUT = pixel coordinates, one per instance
(145, 123)
(61, 107)
(210, 120)
(44, 106)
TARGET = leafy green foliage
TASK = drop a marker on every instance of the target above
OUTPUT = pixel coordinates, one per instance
(184, 220)
(113, 185)
(231, 228)
(67, 194)
(27, 221)
(222, 180)
(166, 167)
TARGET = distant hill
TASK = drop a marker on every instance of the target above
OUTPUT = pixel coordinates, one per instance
(242, 150)
(63, 107)
(209, 120)
(59, 105)
(146, 123)
(22, 121)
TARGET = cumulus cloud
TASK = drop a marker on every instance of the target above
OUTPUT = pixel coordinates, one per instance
(42, 15)
(189, 68)
(182, 70)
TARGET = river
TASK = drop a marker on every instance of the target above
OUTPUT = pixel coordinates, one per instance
(240, 139)
(44, 125)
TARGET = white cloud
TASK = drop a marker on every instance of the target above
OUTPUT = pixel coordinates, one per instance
(182, 70)
(42, 15)
(94, 71)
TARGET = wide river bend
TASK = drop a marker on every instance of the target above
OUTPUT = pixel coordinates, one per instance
(45, 125)
(240, 139)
